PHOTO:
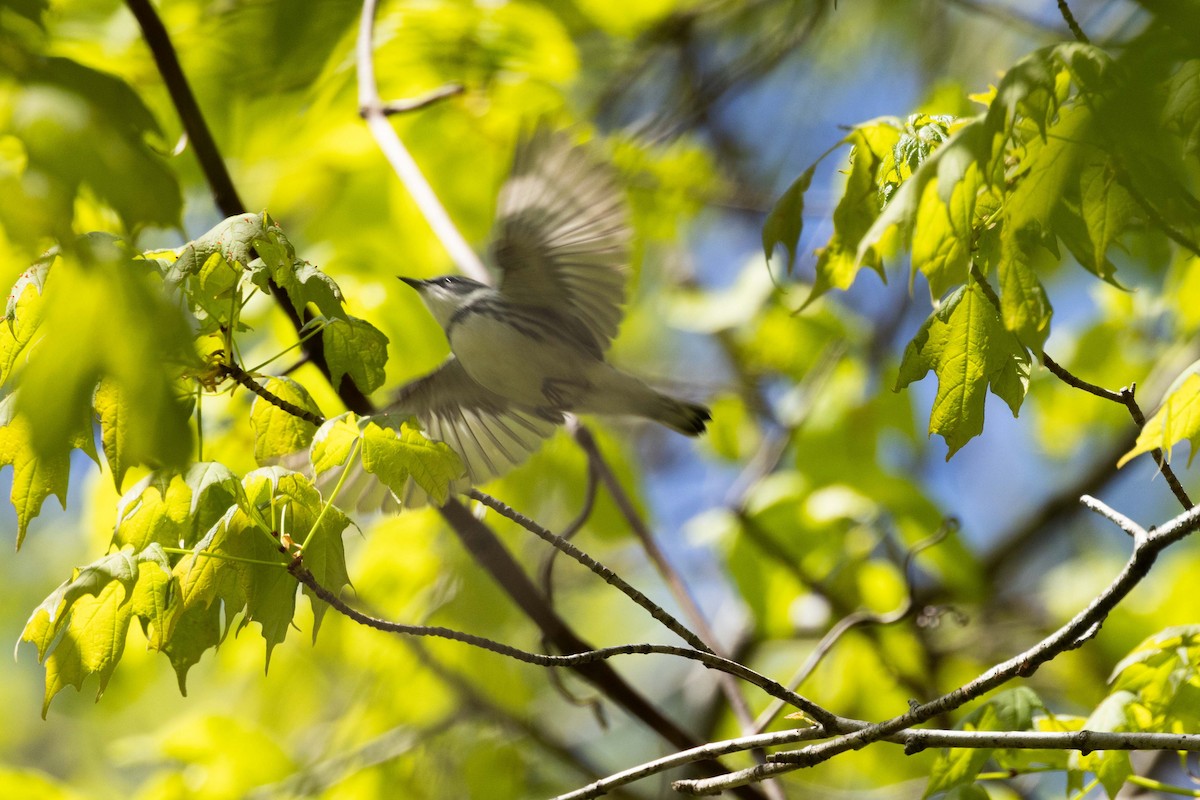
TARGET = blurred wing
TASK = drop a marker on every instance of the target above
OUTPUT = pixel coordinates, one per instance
(561, 236)
(487, 432)
(489, 435)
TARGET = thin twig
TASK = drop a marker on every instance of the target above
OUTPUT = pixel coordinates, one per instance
(1076, 382)
(611, 578)
(857, 618)
(303, 575)
(247, 380)
(1026, 663)
(1072, 23)
(422, 101)
(373, 112)
(546, 572)
(670, 576)
(1137, 532)
(1124, 397)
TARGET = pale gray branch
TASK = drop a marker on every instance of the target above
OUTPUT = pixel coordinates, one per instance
(1084, 623)
(915, 741)
(1120, 520)
(375, 113)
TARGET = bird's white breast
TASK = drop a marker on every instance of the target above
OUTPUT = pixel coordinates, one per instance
(517, 361)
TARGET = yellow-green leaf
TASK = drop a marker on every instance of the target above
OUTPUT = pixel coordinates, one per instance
(334, 441)
(395, 454)
(1178, 418)
(967, 346)
(278, 432)
(356, 348)
(22, 316)
(1023, 301)
(838, 262)
(35, 476)
(786, 220)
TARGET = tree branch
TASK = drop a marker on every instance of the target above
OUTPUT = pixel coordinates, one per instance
(1069, 636)
(1072, 23)
(579, 658)
(247, 380)
(1124, 397)
(216, 174)
(375, 114)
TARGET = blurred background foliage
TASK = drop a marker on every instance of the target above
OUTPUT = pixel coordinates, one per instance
(795, 510)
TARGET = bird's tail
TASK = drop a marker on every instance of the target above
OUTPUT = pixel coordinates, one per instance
(689, 419)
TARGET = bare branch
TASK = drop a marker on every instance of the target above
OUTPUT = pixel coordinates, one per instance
(857, 618)
(373, 111)
(1084, 624)
(301, 573)
(247, 380)
(915, 741)
(1072, 23)
(1123, 522)
(607, 784)
(422, 101)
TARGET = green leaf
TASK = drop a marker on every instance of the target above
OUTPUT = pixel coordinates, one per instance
(1178, 418)
(1015, 708)
(899, 215)
(395, 453)
(786, 220)
(1181, 110)
(80, 629)
(82, 128)
(277, 432)
(195, 629)
(334, 441)
(1111, 767)
(956, 767)
(210, 268)
(23, 315)
(239, 563)
(157, 509)
(1024, 305)
(942, 237)
(173, 509)
(838, 262)
(356, 348)
(1010, 710)
(107, 316)
(967, 346)
(36, 475)
(1106, 208)
(1048, 167)
(115, 427)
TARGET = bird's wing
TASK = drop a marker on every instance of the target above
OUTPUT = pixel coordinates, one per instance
(487, 431)
(561, 236)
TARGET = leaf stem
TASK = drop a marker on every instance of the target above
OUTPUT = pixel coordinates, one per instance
(333, 495)
(183, 551)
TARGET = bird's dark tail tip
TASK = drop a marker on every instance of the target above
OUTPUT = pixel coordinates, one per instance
(690, 419)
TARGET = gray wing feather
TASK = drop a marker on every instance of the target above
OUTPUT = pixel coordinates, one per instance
(562, 236)
(489, 435)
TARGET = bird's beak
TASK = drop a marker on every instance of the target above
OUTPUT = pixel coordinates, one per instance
(415, 283)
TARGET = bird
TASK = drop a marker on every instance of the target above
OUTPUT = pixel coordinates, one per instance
(533, 348)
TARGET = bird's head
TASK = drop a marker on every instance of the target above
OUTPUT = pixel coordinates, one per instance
(446, 295)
